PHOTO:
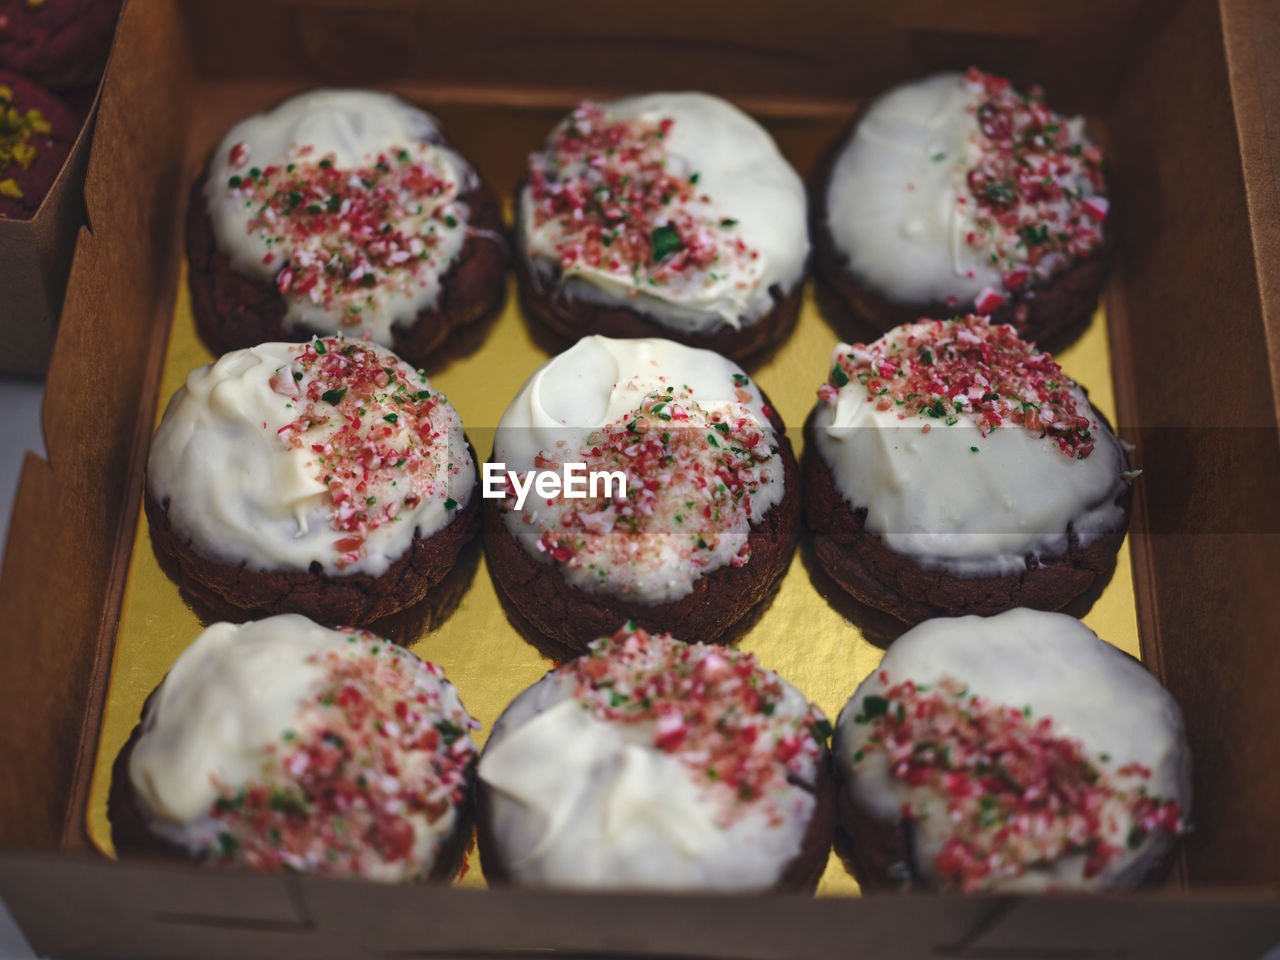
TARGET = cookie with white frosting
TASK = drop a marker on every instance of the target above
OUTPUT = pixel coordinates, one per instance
(325, 478)
(651, 764)
(283, 745)
(959, 194)
(696, 512)
(950, 467)
(669, 214)
(1016, 753)
(342, 211)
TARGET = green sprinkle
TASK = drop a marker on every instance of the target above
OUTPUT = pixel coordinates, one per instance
(875, 706)
(666, 241)
(334, 397)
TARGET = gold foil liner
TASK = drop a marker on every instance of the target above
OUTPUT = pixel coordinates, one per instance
(808, 633)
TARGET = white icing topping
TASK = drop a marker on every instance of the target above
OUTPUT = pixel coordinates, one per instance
(954, 499)
(238, 486)
(239, 698)
(900, 208)
(581, 801)
(352, 130)
(740, 177)
(599, 383)
(1053, 664)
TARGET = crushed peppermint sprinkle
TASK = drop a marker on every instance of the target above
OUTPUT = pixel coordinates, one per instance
(18, 131)
(346, 238)
(946, 370)
(379, 436)
(715, 708)
(616, 203)
(691, 474)
(1016, 795)
(374, 757)
(1036, 186)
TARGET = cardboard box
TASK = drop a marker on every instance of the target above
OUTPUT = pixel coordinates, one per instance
(1188, 95)
(35, 257)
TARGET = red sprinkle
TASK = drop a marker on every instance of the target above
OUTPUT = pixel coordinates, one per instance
(1037, 188)
(971, 368)
(1016, 794)
(340, 792)
(716, 708)
(607, 187)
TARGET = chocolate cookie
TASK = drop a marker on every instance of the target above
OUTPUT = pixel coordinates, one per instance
(36, 133)
(281, 745)
(59, 44)
(950, 468)
(699, 522)
(958, 194)
(653, 764)
(342, 211)
(324, 478)
(1011, 754)
(668, 215)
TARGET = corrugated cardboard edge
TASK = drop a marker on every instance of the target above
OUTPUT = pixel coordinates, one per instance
(56, 589)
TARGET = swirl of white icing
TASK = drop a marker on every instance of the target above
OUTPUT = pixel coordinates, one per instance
(1055, 667)
(237, 697)
(741, 179)
(957, 497)
(581, 801)
(351, 129)
(899, 207)
(597, 383)
(242, 493)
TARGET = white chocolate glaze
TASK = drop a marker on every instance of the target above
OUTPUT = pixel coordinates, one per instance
(741, 176)
(351, 129)
(236, 486)
(597, 384)
(1058, 668)
(240, 698)
(954, 499)
(583, 801)
(899, 206)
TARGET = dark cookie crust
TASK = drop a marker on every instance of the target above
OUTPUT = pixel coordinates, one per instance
(861, 563)
(1050, 311)
(233, 311)
(51, 150)
(58, 43)
(132, 839)
(567, 319)
(719, 599)
(800, 875)
(334, 600)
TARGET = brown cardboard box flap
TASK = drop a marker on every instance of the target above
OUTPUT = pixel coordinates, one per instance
(1188, 310)
(92, 909)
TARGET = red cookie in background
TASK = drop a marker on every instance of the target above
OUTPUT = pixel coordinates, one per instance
(59, 44)
(36, 133)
